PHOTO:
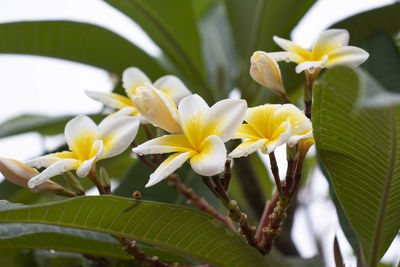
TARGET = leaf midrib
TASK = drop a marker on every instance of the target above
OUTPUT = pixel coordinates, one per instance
(385, 195)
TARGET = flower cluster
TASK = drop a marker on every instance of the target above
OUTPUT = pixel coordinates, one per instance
(196, 132)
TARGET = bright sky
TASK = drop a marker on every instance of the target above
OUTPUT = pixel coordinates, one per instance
(30, 84)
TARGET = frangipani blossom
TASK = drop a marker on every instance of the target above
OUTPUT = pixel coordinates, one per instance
(18, 173)
(88, 143)
(330, 49)
(157, 108)
(205, 130)
(269, 126)
(132, 78)
(265, 70)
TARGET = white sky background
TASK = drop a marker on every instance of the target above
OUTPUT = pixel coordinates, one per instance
(30, 84)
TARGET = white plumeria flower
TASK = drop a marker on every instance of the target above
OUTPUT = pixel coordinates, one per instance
(265, 70)
(132, 78)
(330, 49)
(88, 143)
(205, 130)
(269, 126)
(157, 108)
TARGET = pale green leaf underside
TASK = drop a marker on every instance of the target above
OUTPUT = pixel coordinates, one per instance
(179, 229)
(360, 148)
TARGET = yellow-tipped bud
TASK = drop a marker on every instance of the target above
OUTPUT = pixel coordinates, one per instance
(19, 174)
(305, 144)
(265, 70)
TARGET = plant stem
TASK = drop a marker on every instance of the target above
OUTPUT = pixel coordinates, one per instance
(227, 175)
(101, 188)
(240, 217)
(139, 255)
(269, 208)
(197, 201)
(275, 172)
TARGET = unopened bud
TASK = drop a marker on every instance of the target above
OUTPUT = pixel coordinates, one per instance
(73, 182)
(19, 174)
(104, 178)
(265, 70)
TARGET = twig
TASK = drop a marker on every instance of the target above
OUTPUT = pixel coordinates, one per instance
(275, 172)
(269, 208)
(139, 255)
(197, 201)
(143, 158)
(101, 188)
(227, 175)
(220, 187)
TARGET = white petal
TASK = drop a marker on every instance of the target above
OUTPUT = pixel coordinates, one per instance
(293, 140)
(212, 157)
(285, 56)
(173, 87)
(311, 65)
(79, 128)
(164, 144)
(265, 70)
(246, 148)
(347, 55)
(283, 137)
(109, 99)
(85, 167)
(133, 77)
(224, 118)
(57, 168)
(167, 167)
(329, 40)
(117, 134)
(47, 160)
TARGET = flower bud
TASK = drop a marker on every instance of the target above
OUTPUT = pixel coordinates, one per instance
(157, 108)
(265, 70)
(19, 174)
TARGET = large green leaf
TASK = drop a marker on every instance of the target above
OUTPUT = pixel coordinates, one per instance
(254, 22)
(81, 42)
(17, 235)
(41, 236)
(180, 229)
(171, 24)
(358, 139)
(364, 25)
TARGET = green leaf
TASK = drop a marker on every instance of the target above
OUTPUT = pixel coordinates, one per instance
(179, 229)
(17, 235)
(359, 146)
(364, 25)
(81, 42)
(171, 24)
(38, 123)
(41, 236)
(384, 61)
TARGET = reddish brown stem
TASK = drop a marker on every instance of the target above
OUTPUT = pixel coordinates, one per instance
(101, 188)
(269, 208)
(275, 172)
(197, 201)
(227, 175)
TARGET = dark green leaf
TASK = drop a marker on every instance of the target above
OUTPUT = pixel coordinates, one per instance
(176, 228)
(364, 25)
(171, 24)
(359, 146)
(81, 42)
(384, 61)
